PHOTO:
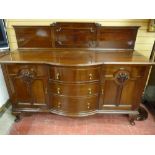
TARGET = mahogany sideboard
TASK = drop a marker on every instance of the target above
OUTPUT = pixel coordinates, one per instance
(75, 69)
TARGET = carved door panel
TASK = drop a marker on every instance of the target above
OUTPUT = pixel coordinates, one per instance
(121, 92)
(28, 89)
(33, 93)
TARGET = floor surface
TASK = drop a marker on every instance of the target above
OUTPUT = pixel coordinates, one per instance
(6, 121)
(50, 124)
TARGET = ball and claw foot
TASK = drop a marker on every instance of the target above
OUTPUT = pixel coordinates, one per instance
(132, 122)
(132, 119)
(17, 119)
(143, 114)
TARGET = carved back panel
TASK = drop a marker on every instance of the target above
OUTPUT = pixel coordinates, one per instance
(33, 36)
(76, 35)
(117, 37)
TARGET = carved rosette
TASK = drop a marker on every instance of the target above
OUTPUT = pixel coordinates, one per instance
(27, 75)
(121, 77)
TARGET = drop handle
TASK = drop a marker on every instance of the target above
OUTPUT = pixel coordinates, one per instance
(90, 76)
(102, 91)
(46, 90)
(88, 105)
(58, 90)
(58, 76)
(89, 91)
(59, 105)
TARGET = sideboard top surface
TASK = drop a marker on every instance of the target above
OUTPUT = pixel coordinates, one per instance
(68, 57)
(75, 44)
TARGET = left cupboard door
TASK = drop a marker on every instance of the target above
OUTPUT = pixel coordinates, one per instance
(28, 84)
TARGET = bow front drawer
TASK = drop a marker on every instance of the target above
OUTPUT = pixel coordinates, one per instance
(74, 89)
(74, 74)
(73, 106)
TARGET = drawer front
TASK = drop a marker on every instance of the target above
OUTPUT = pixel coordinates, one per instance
(73, 105)
(15, 69)
(74, 89)
(135, 71)
(74, 74)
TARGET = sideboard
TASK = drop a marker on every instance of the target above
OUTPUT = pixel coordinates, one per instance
(75, 69)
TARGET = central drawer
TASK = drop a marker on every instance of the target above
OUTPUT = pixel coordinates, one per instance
(72, 105)
(75, 74)
(74, 89)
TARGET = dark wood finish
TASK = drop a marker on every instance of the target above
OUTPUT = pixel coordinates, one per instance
(66, 58)
(74, 89)
(76, 35)
(79, 74)
(28, 85)
(73, 106)
(122, 87)
(117, 37)
(75, 69)
(33, 36)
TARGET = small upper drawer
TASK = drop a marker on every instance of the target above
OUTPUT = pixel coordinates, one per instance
(74, 89)
(135, 71)
(40, 70)
(75, 74)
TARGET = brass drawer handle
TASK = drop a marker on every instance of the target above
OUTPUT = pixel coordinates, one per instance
(58, 76)
(102, 91)
(90, 76)
(88, 105)
(89, 91)
(59, 105)
(46, 90)
(58, 90)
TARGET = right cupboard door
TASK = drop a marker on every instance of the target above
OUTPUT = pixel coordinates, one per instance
(122, 87)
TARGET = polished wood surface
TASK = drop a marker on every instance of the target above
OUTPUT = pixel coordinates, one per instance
(32, 37)
(124, 85)
(110, 87)
(76, 35)
(65, 57)
(75, 69)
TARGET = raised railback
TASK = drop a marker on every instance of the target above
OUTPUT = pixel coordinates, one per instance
(76, 35)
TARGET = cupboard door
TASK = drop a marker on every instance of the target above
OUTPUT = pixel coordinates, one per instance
(29, 90)
(29, 94)
(124, 97)
(122, 91)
